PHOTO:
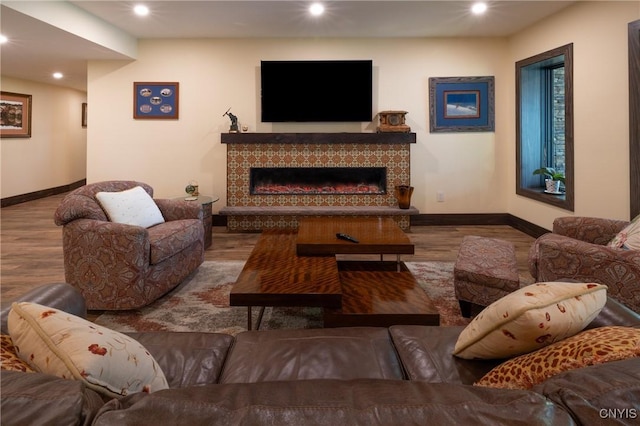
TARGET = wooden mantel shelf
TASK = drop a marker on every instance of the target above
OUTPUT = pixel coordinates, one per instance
(318, 138)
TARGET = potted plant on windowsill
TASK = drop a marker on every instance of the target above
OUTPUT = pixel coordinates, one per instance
(554, 179)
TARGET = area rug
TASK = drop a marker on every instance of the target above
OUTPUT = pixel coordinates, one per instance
(201, 303)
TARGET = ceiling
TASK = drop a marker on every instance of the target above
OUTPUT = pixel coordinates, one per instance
(37, 48)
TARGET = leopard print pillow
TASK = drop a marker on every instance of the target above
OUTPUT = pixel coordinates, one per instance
(9, 357)
(591, 347)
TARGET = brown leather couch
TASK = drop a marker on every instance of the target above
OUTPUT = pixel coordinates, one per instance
(346, 376)
(577, 250)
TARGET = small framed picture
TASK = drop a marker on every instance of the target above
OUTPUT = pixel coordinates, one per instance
(156, 101)
(15, 115)
(461, 104)
(84, 114)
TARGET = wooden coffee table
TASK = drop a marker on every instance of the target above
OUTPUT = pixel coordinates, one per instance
(275, 276)
(289, 268)
(376, 235)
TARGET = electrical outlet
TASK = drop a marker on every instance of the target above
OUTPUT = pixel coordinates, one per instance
(440, 196)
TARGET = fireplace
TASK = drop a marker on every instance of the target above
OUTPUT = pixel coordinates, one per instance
(317, 180)
(274, 178)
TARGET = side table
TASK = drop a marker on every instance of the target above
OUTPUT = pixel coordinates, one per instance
(207, 218)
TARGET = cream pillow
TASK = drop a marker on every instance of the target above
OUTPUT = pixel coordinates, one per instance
(132, 207)
(629, 237)
(58, 343)
(530, 318)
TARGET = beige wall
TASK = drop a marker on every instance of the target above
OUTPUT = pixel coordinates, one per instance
(598, 31)
(476, 171)
(55, 155)
(217, 74)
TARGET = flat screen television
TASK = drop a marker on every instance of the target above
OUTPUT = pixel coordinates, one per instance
(316, 91)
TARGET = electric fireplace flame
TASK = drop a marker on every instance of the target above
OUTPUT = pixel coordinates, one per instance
(317, 180)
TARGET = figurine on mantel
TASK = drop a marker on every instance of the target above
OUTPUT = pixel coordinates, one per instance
(234, 121)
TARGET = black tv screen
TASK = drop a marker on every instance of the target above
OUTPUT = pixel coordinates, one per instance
(316, 91)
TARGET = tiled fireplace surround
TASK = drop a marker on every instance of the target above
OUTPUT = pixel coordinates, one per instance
(253, 212)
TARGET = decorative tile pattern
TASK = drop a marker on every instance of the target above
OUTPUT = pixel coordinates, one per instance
(242, 157)
(257, 223)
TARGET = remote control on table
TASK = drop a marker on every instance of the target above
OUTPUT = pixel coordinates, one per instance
(346, 237)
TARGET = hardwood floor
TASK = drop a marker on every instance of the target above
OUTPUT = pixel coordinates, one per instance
(31, 245)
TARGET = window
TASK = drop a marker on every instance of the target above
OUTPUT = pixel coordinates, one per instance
(544, 124)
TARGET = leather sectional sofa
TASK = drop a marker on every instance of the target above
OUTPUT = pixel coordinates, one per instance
(345, 376)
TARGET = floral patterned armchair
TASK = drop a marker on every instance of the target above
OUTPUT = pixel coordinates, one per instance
(117, 266)
(577, 249)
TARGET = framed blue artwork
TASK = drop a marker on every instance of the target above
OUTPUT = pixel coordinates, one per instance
(155, 100)
(461, 104)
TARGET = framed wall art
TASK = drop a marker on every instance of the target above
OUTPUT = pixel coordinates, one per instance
(15, 115)
(84, 114)
(461, 104)
(155, 101)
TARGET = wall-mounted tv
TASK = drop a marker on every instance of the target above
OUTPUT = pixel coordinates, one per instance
(316, 91)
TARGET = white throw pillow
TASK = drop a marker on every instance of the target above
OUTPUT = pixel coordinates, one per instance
(629, 237)
(132, 207)
(531, 318)
(58, 343)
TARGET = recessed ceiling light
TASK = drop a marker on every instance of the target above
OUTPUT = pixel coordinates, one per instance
(57, 75)
(316, 9)
(141, 10)
(3, 39)
(479, 8)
